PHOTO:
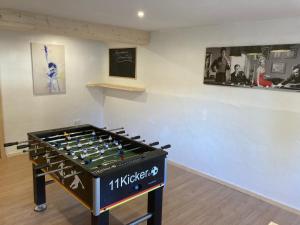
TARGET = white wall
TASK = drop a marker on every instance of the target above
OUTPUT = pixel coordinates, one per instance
(23, 112)
(249, 138)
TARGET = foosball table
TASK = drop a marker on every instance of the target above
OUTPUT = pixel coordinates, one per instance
(101, 168)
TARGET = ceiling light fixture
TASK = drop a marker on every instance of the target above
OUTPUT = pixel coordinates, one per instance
(140, 14)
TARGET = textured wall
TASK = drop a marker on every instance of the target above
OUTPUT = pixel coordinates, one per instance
(249, 138)
(23, 112)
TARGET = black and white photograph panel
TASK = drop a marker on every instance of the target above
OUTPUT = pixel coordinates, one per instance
(266, 66)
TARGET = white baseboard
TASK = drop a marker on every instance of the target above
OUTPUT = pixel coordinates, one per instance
(12, 153)
(235, 187)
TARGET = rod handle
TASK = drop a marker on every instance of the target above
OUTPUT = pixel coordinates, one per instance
(10, 144)
(154, 143)
(38, 154)
(22, 146)
(165, 147)
(121, 132)
(136, 137)
(49, 182)
(120, 128)
(41, 166)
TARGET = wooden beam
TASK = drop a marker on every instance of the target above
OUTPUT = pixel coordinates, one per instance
(2, 150)
(26, 21)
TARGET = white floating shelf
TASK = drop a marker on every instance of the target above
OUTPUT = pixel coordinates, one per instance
(117, 87)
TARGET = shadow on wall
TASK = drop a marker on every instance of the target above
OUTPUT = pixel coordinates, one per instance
(96, 94)
(130, 96)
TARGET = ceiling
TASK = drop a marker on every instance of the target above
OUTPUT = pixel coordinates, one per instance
(160, 14)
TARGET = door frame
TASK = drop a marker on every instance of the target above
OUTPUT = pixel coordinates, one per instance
(2, 150)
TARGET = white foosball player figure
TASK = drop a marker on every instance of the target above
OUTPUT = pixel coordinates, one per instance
(75, 184)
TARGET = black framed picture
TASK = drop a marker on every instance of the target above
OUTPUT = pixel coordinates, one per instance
(122, 62)
(275, 67)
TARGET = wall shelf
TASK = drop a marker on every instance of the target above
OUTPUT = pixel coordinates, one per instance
(117, 87)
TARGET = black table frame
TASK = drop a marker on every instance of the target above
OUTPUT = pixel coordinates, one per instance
(155, 201)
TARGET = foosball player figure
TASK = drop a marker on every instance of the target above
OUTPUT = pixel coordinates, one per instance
(121, 152)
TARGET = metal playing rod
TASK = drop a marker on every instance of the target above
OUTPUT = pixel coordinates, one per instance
(131, 150)
(82, 137)
(86, 139)
(57, 162)
(104, 157)
(53, 171)
(78, 137)
(70, 175)
(115, 129)
(51, 157)
(103, 146)
(62, 135)
(78, 132)
(141, 219)
(39, 154)
(103, 151)
(73, 137)
(80, 145)
(34, 149)
(112, 161)
(94, 133)
(86, 150)
(9, 144)
(91, 143)
(45, 165)
(69, 134)
(72, 152)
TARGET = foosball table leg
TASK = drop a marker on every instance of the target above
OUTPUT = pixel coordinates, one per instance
(101, 219)
(39, 190)
(155, 200)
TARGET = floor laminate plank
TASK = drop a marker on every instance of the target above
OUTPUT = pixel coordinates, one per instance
(189, 199)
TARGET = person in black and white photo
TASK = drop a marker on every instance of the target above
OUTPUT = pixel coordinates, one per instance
(293, 79)
(238, 76)
(220, 66)
(207, 65)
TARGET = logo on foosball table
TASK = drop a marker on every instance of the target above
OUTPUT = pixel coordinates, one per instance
(154, 171)
(132, 178)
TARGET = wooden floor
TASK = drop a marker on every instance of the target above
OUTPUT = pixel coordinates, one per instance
(189, 200)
